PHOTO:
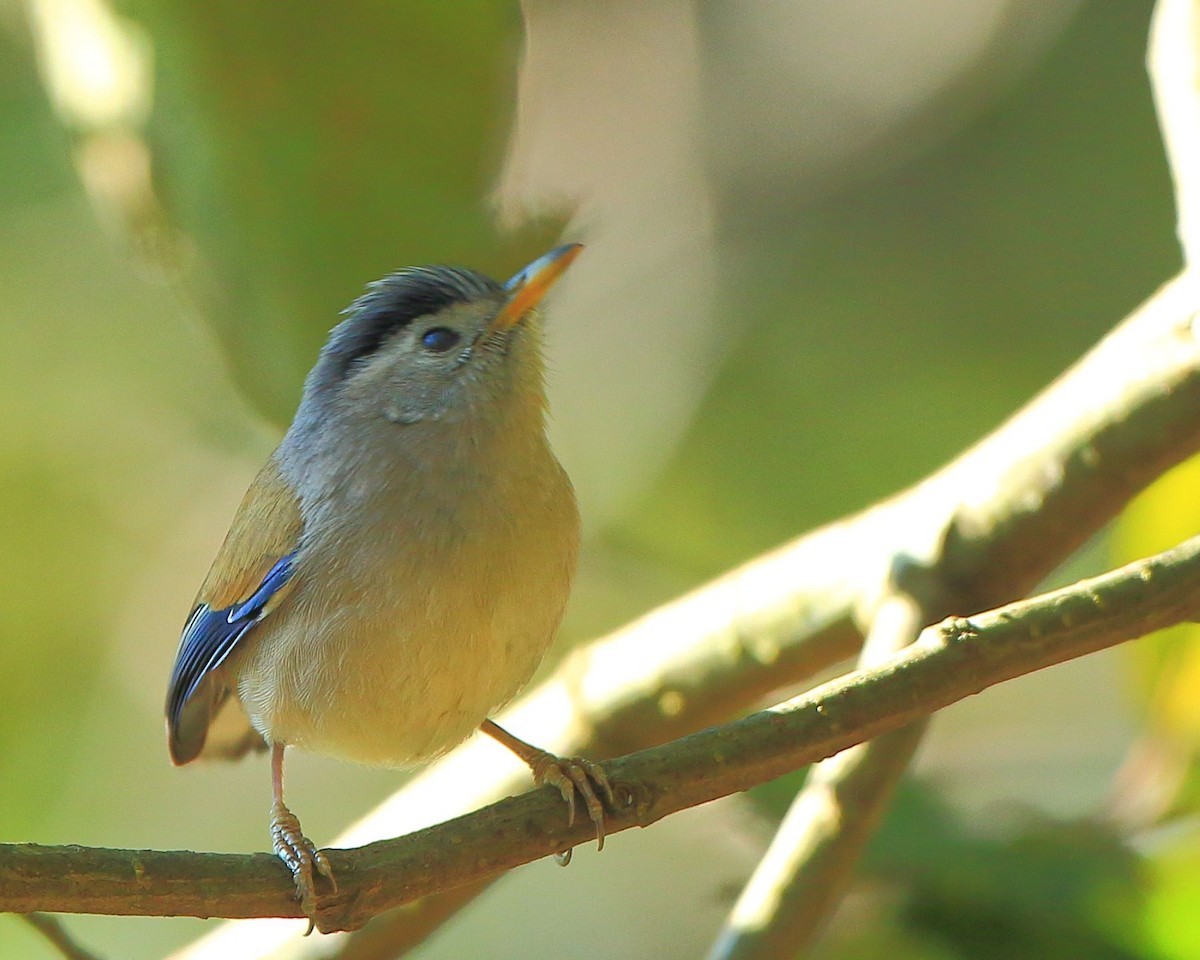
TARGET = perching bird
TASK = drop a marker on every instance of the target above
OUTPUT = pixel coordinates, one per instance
(400, 565)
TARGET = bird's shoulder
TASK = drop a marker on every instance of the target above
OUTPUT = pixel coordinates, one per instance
(266, 527)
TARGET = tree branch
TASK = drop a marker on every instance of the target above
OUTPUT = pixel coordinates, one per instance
(1004, 514)
(807, 868)
(950, 661)
(802, 875)
(1001, 517)
(809, 863)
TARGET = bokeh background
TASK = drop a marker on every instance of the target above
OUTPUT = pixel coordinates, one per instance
(829, 245)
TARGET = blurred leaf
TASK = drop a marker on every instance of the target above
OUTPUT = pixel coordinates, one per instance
(892, 322)
(305, 155)
(53, 638)
(1172, 920)
(37, 152)
(1166, 665)
(1049, 893)
(938, 885)
(1041, 889)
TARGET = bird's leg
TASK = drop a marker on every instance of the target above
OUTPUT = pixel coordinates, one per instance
(568, 774)
(291, 845)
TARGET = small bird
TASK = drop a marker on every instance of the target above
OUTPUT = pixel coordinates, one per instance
(401, 563)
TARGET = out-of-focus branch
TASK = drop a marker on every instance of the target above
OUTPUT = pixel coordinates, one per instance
(807, 869)
(801, 877)
(50, 928)
(1003, 515)
(811, 859)
(953, 660)
(1174, 63)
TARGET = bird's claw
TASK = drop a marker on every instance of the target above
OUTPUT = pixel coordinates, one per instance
(301, 856)
(571, 774)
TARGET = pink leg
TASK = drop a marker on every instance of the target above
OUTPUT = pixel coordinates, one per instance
(291, 845)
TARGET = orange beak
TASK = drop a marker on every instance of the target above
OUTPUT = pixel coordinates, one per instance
(529, 285)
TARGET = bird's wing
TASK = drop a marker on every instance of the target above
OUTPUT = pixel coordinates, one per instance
(249, 578)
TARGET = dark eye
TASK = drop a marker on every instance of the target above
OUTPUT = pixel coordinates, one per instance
(439, 339)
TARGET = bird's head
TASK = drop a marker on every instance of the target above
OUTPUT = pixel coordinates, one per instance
(437, 344)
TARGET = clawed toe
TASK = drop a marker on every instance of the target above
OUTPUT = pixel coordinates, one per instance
(572, 774)
(569, 774)
(301, 856)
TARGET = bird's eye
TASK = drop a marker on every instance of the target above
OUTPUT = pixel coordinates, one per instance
(439, 339)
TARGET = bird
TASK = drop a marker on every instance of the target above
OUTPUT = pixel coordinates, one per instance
(400, 565)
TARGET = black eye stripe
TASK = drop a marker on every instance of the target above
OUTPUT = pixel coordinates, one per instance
(440, 339)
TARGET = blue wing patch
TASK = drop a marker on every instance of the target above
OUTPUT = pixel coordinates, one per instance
(208, 638)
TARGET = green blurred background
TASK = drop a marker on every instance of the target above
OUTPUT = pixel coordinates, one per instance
(829, 245)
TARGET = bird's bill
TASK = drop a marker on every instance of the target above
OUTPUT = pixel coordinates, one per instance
(528, 286)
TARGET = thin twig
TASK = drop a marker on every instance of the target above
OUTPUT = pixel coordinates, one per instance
(52, 929)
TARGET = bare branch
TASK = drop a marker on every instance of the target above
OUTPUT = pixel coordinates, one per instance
(800, 878)
(953, 660)
(1003, 515)
(807, 868)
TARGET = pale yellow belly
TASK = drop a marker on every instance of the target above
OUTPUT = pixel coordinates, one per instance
(407, 670)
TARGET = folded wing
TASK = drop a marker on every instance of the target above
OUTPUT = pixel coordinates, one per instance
(250, 577)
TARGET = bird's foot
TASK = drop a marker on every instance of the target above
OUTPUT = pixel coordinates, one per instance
(571, 774)
(301, 857)
(568, 774)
